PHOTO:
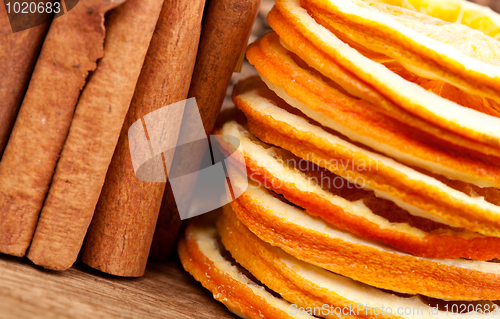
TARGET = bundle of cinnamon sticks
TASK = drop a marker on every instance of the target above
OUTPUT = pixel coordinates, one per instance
(71, 90)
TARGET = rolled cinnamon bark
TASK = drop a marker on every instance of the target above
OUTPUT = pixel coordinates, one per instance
(93, 135)
(18, 54)
(120, 235)
(71, 48)
(167, 227)
(226, 27)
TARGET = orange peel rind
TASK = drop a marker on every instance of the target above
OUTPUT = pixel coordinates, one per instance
(413, 191)
(325, 294)
(278, 171)
(360, 122)
(314, 241)
(203, 258)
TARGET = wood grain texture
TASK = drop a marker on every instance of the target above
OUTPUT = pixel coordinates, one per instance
(70, 50)
(18, 54)
(165, 291)
(120, 235)
(94, 132)
(226, 27)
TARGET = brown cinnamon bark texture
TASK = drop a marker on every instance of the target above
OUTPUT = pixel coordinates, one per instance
(226, 28)
(167, 227)
(18, 54)
(120, 235)
(93, 135)
(71, 48)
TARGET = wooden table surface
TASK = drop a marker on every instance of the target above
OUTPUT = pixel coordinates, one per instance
(166, 291)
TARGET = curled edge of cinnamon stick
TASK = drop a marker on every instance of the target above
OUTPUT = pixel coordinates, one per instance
(120, 235)
(18, 54)
(93, 135)
(226, 29)
(71, 48)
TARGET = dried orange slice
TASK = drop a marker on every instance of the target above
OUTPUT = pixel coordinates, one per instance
(410, 96)
(348, 207)
(316, 242)
(300, 45)
(205, 259)
(316, 291)
(322, 101)
(428, 46)
(442, 88)
(413, 191)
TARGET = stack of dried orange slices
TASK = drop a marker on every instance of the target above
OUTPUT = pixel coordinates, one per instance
(371, 142)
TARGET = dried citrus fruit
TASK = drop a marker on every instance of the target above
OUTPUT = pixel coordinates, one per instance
(424, 44)
(324, 102)
(326, 294)
(349, 207)
(458, 11)
(404, 94)
(314, 241)
(206, 260)
(469, 99)
(294, 41)
(418, 193)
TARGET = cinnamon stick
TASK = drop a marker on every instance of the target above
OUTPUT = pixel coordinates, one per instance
(120, 235)
(18, 54)
(93, 135)
(167, 227)
(71, 48)
(226, 28)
